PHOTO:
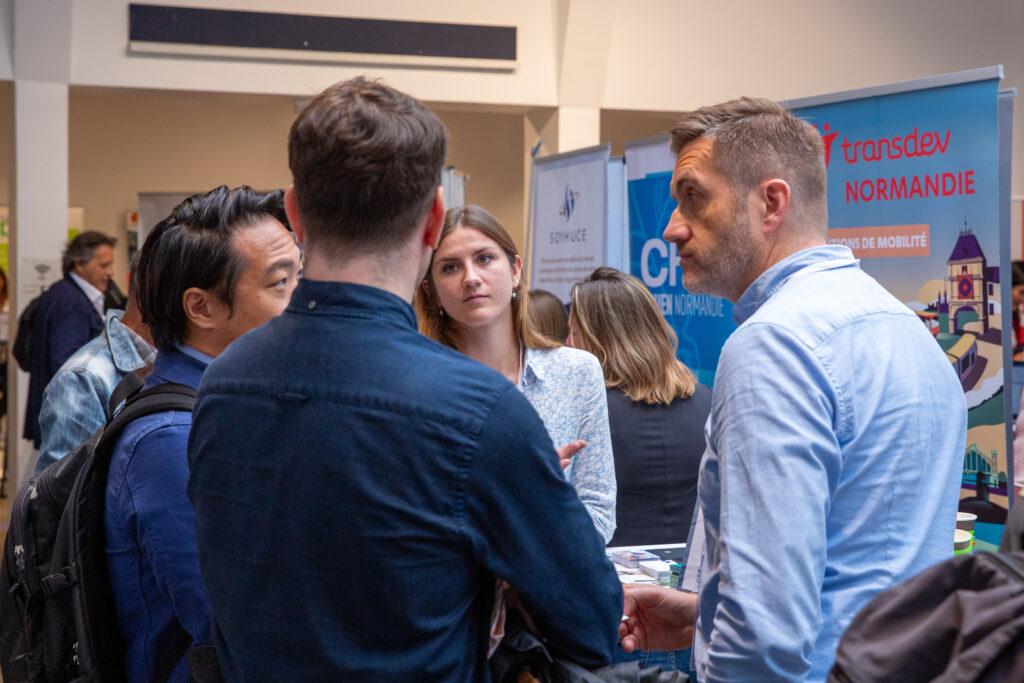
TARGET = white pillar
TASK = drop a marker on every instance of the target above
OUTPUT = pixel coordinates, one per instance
(39, 222)
(39, 178)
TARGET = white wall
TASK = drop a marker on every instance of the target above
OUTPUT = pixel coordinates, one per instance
(100, 57)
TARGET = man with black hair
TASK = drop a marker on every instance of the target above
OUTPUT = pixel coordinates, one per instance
(220, 265)
(69, 314)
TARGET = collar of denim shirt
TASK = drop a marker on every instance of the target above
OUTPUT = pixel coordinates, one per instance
(319, 297)
(128, 350)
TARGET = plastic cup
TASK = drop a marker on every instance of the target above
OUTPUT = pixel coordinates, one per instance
(965, 521)
(961, 542)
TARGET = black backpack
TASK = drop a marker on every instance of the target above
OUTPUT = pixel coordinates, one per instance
(57, 614)
(962, 620)
(23, 337)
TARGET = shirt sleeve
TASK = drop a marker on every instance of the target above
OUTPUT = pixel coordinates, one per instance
(592, 471)
(73, 409)
(779, 462)
(166, 527)
(526, 525)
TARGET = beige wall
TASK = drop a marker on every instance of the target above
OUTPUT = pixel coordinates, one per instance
(488, 147)
(125, 142)
(6, 141)
(668, 55)
(620, 127)
(99, 55)
(659, 57)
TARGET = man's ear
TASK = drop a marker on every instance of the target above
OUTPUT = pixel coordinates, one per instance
(435, 220)
(202, 308)
(773, 202)
(291, 209)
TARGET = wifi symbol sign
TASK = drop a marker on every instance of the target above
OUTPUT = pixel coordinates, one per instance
(42, 269)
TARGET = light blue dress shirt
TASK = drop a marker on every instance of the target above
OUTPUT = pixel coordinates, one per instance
(75, 400)
(834, 454)
(566, 388)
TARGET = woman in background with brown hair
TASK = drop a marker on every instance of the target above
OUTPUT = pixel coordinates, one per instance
(548, 315)
(472, 301)
(656, 408)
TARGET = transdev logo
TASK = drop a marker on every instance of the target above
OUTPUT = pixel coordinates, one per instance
(568, 203)
(827, 139)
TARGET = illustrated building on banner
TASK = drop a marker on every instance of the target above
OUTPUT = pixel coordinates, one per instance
(969, 284)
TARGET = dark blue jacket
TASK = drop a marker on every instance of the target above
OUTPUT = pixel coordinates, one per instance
(151, 530)
(65, 320)
(358, 487)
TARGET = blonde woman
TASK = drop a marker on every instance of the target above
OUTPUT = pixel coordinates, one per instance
(656, 408)
(472, 301)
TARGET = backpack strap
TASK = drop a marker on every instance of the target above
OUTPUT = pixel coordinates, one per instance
(173, 653)
(130, 384)
(161, 398)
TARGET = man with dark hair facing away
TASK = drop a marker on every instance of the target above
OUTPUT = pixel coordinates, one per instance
(68, 315)
(221, 264)
(360, 483)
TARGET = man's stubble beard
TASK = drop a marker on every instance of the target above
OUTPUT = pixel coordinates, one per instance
(719, 274)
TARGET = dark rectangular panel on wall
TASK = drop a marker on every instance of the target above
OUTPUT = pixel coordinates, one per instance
(214, 28)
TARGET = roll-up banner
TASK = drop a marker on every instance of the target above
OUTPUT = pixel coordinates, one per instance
(617, 246)
(915, 190)
(454, 183)
(569, 218)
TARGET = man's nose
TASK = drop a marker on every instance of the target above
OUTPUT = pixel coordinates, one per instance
(677, 229)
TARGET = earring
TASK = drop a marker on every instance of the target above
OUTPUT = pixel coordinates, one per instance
(440, 312)
(514, 294)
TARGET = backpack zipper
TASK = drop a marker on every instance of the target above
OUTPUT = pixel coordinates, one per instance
(17, 532)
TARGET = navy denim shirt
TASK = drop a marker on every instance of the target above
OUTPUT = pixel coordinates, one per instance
(358, 487)
(150, 526)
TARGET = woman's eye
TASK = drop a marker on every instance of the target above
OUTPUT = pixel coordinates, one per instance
(485, 258)
(448, 268)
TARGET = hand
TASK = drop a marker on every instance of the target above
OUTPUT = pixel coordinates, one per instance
(659, 618)
(566, 452)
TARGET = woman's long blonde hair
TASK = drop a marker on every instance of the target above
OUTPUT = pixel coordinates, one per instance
(614, 317)
(439, 326)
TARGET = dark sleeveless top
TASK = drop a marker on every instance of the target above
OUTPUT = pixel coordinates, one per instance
(657, 450)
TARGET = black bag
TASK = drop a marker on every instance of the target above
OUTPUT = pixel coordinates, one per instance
(23, 337)
(57, 614)
(523, 656)
(962, 620)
